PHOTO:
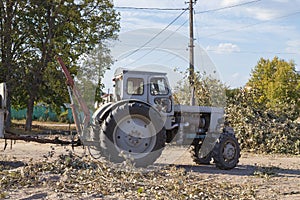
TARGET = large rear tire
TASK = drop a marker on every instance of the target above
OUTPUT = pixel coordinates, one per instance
(226, 152)
(133, 131)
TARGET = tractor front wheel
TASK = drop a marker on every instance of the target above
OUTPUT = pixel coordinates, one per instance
(197, 156)
(226, 152)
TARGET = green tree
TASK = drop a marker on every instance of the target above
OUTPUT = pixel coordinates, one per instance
(90, 73)
(275, 84)
(209, 91)
(12, 48)
(51, 27)
(261, 129)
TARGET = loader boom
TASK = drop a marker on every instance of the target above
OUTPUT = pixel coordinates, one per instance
(74, 91)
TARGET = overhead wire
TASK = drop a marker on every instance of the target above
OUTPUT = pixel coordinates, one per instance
(257, 52)
(248, 26)
(178, 9)
(163, 41)
(200, 12)
(251, 25)
(227, 7)
(154, 37)
(169, 9)
(155, 9)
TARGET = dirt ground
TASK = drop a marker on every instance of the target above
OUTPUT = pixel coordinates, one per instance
(274, 176)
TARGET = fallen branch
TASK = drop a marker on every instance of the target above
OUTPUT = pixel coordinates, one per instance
(12, 136)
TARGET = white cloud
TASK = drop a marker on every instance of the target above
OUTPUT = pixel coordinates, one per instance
(262, 14)
(230, 2)
(293, 46)
(256, 27)
(152, 3)
(224, 48)
(235, 75)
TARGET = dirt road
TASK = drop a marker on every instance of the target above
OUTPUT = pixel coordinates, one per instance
(274, 176)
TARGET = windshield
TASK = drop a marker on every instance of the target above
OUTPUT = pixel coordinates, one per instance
(158, 86)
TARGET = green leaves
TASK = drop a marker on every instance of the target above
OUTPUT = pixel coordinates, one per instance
(209, 91)
(264, 113)
(275, 83)
(261, 129)
(33, 32)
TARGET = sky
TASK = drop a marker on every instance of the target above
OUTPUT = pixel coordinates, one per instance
(230, 35)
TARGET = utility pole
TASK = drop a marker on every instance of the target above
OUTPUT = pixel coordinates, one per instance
(191, 46)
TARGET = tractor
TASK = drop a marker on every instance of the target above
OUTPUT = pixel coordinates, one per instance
(141, 117)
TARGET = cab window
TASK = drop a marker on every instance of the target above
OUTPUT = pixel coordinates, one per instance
(118, 86)
(135, 86)
(158, 86)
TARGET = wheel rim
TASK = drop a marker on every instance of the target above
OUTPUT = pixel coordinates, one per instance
(134, 135)
(229, 151)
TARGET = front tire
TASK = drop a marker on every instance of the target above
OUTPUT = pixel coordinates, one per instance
(226, 152)
(197, 156)
(135, 131)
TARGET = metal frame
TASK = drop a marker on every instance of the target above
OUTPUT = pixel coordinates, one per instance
(2, 108)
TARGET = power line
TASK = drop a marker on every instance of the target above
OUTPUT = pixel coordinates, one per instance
(251, 25)
(177, 9)
(159, 44)
(256, 52)
(154, 36)
(157, 9)
(228, 7)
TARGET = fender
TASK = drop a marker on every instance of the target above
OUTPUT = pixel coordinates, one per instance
(102, 112)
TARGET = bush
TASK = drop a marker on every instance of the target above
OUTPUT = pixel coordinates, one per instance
(260, 129)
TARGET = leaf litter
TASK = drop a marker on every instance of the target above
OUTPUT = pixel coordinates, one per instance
(80, 176)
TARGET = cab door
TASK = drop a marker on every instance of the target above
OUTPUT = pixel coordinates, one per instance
(135, 87)
(160, 94)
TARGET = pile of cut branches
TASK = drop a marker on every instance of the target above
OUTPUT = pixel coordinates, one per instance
(79, 176)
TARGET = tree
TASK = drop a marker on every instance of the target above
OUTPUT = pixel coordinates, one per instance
(209, 91)
(276, 84)
(260, 129)
(51, 27)
(90, 73)
(12, 48)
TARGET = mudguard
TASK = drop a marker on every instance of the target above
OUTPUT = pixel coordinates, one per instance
(101, 113)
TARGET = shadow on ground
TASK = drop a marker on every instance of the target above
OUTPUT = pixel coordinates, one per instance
(11, 164)
(240, 170)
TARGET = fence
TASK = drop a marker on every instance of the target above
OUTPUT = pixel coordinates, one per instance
(43, 113)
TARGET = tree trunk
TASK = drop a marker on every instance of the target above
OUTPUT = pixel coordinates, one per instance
(29, 114)
(6, 51)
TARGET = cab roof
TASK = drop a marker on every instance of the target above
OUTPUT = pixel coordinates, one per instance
(121, 71)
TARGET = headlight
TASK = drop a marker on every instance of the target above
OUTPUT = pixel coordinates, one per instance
(163, 104)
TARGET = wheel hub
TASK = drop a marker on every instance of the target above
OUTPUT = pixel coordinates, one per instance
(134, 135)
(134, 139)
(229, 151)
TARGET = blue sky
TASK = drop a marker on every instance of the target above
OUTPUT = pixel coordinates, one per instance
(229, 41)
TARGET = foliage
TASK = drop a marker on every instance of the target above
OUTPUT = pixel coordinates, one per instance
(209, 91)
(266, 172)
(82, 177)
(276, 83)
(33, 32)
(264, 113)
(90, 73)
(261, 129)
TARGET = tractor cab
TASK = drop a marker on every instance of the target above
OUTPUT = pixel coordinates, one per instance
(150, 87)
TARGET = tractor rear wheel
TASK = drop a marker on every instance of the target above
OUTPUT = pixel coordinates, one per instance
(133, 131)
